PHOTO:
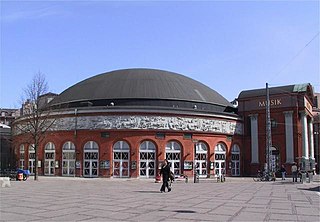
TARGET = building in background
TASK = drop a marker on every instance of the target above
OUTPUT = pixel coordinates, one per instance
(7, 157)
(316, 130)
(291, 127)
(8, 115)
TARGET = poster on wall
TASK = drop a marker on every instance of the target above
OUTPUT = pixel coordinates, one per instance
(107, 164)
(133, 165)
(78, 164)
(104, 164)
(187, 165)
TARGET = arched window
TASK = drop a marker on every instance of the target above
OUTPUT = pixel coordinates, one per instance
(147, 153)
(91, 159)
(49, 159)
(121, 160)
(91, 145)
(173, 155)
(68, 159)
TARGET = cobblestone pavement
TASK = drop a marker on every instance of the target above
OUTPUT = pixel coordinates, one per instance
(80, 199)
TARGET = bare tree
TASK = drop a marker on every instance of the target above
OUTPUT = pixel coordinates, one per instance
(35, 120)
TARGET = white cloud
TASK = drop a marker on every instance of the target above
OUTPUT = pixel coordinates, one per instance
(28, 14)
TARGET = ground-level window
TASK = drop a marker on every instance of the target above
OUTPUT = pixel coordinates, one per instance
(32, 159)
(91, 159)
(201, 158)
(235, 160)
(220, 159)
(68, 159)
(173, 155)
(121, 160)
(49, 159)
(147, 163)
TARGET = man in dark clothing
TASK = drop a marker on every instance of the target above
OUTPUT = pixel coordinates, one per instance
(165, 172)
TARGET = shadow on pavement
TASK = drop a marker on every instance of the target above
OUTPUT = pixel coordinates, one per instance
(286, 182)
(147, 191)
(311, 189)
(185, 211)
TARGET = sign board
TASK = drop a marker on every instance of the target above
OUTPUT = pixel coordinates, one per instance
(188, 165)
(104, 164)
(133, 165)
(78, 164)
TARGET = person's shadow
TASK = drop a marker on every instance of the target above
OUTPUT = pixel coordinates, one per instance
(317, 189)
(146, 191)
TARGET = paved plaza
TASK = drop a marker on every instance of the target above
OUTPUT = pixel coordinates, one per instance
(101, 199)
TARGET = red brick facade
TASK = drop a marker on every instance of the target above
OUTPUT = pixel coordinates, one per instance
(134, 138)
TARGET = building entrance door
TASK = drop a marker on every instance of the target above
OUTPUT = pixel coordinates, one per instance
(49, 159)
(173, 154)
(235, 160)
(91, 166)
(121, 151)
(68, 159)
(147, 159)
(220, 159)
(91, 159)
(201, 160)
(32, 159)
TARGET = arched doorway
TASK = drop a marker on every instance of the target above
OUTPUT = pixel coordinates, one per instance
(147, 161)
(121, 160)
(173, 155)
(68, 159)
(235, 160)
(91, 159)
(49, 159)
(201, 159)
(220, 159)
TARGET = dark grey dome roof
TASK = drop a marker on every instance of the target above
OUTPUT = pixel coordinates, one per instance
(149, 84)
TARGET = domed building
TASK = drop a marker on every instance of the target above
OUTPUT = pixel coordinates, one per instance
(124, 123)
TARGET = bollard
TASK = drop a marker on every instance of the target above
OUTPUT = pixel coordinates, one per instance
(5, 182)
(195, 178)
(186, 179)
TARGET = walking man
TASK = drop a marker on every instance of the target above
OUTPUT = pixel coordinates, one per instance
(165, 172)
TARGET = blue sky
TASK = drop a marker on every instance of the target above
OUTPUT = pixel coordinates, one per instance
(228, 45)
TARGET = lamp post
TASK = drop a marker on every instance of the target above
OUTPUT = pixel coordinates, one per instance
(268, 131)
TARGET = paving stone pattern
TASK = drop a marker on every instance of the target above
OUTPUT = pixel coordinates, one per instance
(81, 199)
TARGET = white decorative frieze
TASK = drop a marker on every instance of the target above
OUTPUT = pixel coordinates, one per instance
(147, 123)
